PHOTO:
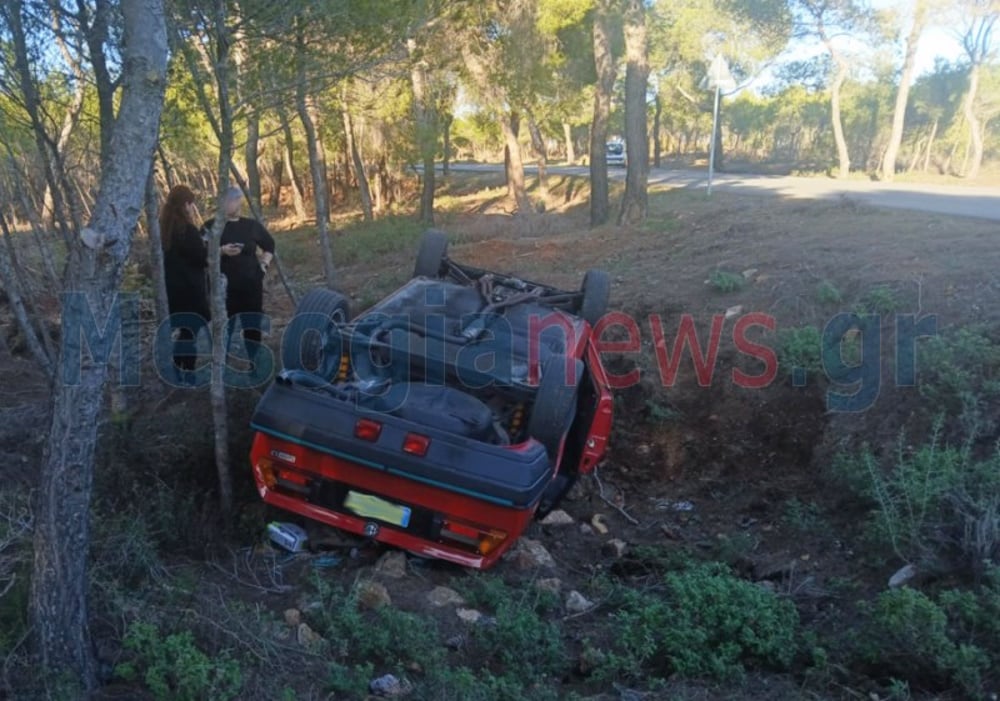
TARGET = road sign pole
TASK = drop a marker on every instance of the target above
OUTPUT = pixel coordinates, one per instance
(711, 148)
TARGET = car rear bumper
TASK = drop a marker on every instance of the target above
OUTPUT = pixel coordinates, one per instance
(317, 486)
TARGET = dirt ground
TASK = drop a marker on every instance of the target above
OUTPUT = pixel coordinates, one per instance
(712, 467)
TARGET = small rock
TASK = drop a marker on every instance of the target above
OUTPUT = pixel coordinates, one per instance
(306, 635)
(530, 554)
(293, 617)
(392, 564)
(552, 584)
(597, 522)
(643, 449)
(470, 616)
(577, 602)
(455, 642)
(558, 518)
(749, 273)
(439, 597)
(902, 576)
(373, 595)
(389, 686)
(734, 311)
(585, 529)
(615, 547)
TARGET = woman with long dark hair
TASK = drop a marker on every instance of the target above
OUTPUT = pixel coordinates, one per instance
(185, 262)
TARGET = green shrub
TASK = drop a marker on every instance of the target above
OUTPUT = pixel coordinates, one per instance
(912, 637)
(879, 300)
(388, 635)
(804, 517)
(175, 668)
(706, 622)
(959, 373)
(827, 293)
(800, 348)
(724, 281)
(935, 504)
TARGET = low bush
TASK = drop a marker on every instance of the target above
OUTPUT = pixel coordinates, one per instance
(703, 622)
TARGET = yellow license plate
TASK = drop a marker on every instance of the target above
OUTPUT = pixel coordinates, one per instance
(370, 506)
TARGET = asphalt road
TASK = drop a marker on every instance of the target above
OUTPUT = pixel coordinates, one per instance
(971, 201)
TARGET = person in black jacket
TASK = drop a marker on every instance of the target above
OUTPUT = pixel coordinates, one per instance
(247, 250)
(185, 262)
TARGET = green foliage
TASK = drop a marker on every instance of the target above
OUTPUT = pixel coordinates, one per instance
(827, 293)
(395, 638)
(521, 640)
(800, 348)
(879, 300)
(724, 281)
(176, 668)
(705, 622)
(948, 640)
(934, 503)
(960, 375)
(804, 517)
(519, 649)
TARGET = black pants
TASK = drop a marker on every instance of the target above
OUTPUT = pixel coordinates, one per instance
(246, 306)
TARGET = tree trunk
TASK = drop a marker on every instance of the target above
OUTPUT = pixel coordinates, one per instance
(843, 155)
(635, 202)
(930, 145)
(425, 118)
(251, 153)
(903, 92)
(156, 246)
(288, 156)
(600, 208)
(12, 288)
(568, 138)
(975, 128)
(277, 170)
(657, 113)
(69, 123)
(359, 165)
(96, 36)
(538, 146)
(515, 173)
(216, 286)
(58, 603)
(317, 162)
(446, 134)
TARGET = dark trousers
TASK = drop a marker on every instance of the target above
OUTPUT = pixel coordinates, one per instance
(246, 306)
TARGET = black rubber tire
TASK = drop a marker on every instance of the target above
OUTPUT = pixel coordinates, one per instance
(596, 290)
(321, 310)
(432, 254)
(554, 407)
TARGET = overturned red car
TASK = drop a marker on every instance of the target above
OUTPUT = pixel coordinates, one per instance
(444, 418)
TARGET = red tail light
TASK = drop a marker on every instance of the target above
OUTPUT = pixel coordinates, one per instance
(367, 430)
(415, 444)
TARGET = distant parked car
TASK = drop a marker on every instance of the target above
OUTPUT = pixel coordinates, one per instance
(615, 154)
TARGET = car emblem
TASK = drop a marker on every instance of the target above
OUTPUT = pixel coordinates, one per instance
(371, 529)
